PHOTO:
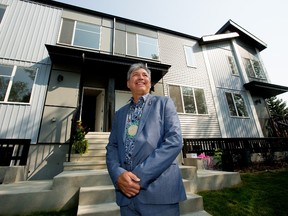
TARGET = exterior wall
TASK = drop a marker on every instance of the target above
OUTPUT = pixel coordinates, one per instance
(225, 81)
(25, 28)
(61, 103)
(172, 53)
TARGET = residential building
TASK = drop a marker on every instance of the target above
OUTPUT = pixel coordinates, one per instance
(60, 63)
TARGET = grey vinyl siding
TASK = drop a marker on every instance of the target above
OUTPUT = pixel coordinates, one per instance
(225, 81)
(171, 49)
(237, 126)
(23, 120)
(25, 29)
(250, 53)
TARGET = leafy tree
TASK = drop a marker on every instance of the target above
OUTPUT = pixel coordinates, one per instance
(277, 107)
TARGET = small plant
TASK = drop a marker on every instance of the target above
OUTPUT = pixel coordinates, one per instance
(80, 144)
(217, 158)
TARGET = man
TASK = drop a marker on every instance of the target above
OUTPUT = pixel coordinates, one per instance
(144, 143)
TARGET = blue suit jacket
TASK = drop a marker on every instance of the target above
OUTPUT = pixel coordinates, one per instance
(157, 143)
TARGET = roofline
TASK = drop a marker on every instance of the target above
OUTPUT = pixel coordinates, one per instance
(242, 32)
(97, 13)
(217, 38)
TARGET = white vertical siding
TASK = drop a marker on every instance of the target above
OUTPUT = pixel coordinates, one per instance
(225, 81)
(25, 29)
(172, 53)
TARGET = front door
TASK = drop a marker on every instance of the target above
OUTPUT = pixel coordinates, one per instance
(92, 110)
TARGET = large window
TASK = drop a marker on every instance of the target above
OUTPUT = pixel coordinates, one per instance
(190, 58)
(188, 99)
(16, 83)
(80, 34)
(142, 46)
(253, 68)
(232, 65)
(236, 104)
(2, 11)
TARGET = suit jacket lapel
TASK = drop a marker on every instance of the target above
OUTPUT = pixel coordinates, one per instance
(145, 113)
(123, 119)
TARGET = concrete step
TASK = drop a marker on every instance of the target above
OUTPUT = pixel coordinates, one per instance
(105, 209)
(97, 195)
(216, 180)
(114, 210)
(194, 203)
(92, 156)
(192, 206)
(82, 178)
(199, 213)
(84, 165)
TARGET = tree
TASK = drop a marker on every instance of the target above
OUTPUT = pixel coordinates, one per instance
(277, 107)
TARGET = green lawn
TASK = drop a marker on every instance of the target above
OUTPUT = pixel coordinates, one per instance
(262, 193)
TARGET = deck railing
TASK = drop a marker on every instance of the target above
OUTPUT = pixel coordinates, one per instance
(234, 145)
(14, 152)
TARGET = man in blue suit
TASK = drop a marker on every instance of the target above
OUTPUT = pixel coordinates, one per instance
(142, 152)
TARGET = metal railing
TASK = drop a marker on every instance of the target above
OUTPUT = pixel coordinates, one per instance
(14, 152)
(234, 145)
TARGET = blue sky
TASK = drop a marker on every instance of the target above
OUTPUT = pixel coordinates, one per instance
(265, 19)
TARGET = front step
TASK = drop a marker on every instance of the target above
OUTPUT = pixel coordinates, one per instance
(192, 206)
(105, 209)
(95, 158)
(84, 165)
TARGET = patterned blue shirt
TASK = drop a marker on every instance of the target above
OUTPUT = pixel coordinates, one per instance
(132, 123)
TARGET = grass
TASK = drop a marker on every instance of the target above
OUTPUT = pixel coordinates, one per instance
(262, 193)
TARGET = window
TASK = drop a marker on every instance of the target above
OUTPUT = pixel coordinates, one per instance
(232, 65)
(190, 59)
(142, 46)
(16, 83)
(188, 99)
(236, 105)
(2, 11)
(80, 34)
(253, 68)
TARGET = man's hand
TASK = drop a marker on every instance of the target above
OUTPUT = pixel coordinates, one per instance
(128, 183)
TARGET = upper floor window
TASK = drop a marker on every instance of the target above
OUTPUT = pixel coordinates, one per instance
(236, 105)
(190, 58)
(253, 68)
(232, 65)
(16, 83)
(81, 34)
(188, 99)
(142, 46)
(2, 11)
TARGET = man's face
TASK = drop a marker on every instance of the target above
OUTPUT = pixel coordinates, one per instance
(139, 82)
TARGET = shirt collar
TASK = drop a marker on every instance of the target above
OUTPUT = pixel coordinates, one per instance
(144, 98)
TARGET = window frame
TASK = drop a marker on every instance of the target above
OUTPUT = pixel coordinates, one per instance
(14, 69)
(232, 65)
(235, 105)
(4, 10)
(130, 46)
(251, 65)
(74, 33)
(194, 100)
(189, 56)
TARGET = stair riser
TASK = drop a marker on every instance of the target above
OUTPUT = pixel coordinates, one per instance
(71, 168)
(97, 197)
(191, 205)
(102, 213)
(87, 158)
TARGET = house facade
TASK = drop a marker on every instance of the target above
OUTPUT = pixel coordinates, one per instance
(59, 63)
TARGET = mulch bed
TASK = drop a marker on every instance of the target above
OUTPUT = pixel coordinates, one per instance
(257, 167)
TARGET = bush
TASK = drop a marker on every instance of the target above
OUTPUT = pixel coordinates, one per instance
(80, 144)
